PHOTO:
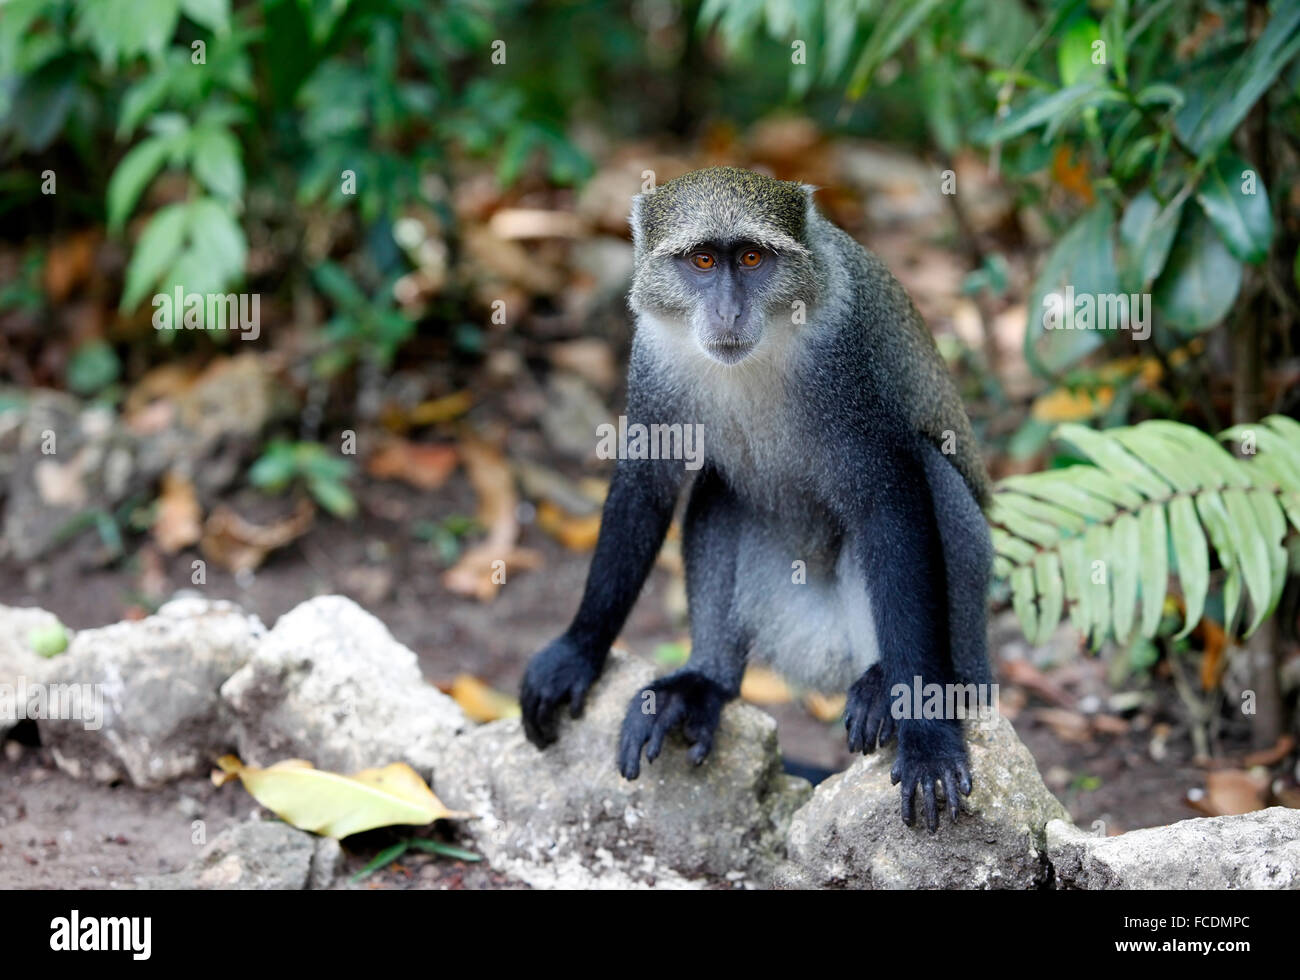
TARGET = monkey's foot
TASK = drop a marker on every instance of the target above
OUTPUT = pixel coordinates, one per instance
(561, 672)
(866, 713)
(931, 751)
(685, 699)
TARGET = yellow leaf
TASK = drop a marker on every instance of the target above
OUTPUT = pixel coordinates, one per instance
(824, 707)
(1063, 405)
(763, 686)
(334, 805)
(481, 702)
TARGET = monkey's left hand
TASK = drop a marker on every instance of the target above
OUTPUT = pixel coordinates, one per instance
(931, 751)
(686, 698)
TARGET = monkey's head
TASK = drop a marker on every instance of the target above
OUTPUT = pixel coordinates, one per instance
(722, 255)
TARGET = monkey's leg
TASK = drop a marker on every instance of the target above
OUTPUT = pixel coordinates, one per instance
(633, 523)
(692, 698)
(898, 544)
(968, 565)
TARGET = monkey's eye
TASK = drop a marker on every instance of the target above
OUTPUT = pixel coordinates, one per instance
(703, 260)
(750, 258)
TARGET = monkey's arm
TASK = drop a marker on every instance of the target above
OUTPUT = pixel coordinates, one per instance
(903, 563)
(635, 519)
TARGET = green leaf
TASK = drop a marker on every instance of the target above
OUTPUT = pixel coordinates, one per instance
(1146, 233)
(1055, 109)
(1243, 220)
(125, 28)
(93, 367)
(1124, 580)
(1207, 123)
(1201, 279)
(1192, 559)
(1083, 259)
(212, 14)
(132, 175)
(217, 239)
(1074, 56)
(334, 497)
(154, 251)
(384, 858)
(1154, 550)
(1022, 599)
(215, 156)
(444, 850)
(1047, 579)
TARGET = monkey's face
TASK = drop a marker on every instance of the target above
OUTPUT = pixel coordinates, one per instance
(727, 286)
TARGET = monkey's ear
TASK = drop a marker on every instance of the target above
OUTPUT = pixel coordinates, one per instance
(808, 191)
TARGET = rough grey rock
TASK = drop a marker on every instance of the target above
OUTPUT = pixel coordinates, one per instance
(850, 834)
(566, 818)
(256, 854)
(1253, 850)
(330, 684)
(150, 707)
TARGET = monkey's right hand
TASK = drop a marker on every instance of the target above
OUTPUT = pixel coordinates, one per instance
(686, 699)
(561, 672)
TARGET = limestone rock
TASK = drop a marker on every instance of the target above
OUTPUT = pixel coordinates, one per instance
(145, 696)
(564, 817)
(1251, 850)
(330, 684)
(850, 834)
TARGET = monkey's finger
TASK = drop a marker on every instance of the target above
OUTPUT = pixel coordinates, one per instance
(909, 793)
(534, 712)
(577, 698)
(661, 726)
(964, 771)
(888, 729)
(629, 750)
(931, 805)
(950, 791)
(700, 749)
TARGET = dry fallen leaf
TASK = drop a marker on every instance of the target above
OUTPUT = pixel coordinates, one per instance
(762, 685)
(481, 702)
(178, 520)
(1231, 791)
(482, 569)
(334, 805)
(825, 707)
(423, 466)
(575, 533)
(1069, 726)
(239, 545)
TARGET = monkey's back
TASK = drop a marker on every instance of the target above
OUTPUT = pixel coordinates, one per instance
(917, 377)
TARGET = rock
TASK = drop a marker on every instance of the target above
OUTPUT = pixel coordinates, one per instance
(256, 854)
(145, 695)
(330, 684)
(850, 834)
(1249, 850)
(326, 862)
(566, 818)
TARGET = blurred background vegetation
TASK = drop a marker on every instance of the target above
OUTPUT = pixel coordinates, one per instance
(429, 200)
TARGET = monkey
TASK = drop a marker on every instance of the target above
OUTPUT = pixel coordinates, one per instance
(835, 444)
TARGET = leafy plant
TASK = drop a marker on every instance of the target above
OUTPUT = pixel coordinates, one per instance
(1098, 541)
(311, 464)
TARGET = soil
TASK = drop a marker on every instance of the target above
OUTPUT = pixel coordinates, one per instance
(59, 833)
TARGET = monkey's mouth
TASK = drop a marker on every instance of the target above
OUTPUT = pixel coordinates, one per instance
(728, 351)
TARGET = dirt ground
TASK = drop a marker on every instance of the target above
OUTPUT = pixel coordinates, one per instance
(56, 832)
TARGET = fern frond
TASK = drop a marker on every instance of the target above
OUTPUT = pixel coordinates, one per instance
(1099, 541)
